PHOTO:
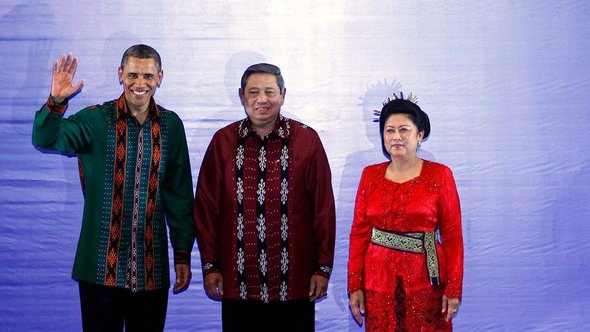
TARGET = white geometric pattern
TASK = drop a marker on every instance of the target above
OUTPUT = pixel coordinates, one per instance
(240, 260)
(285, 157)
(262, 159)
(262, 262)
(240, 190)
(240, 157)
(284, 191)
(261, 227)
(240, 226)
(261, 192)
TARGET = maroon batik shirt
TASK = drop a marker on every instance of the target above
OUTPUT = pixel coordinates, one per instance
(264, 211)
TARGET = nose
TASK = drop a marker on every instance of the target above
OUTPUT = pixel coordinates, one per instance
(140, 82)
(261, 99)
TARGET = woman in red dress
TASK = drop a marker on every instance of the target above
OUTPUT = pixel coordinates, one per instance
(405, 269)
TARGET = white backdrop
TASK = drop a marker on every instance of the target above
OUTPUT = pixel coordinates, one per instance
(506, 85)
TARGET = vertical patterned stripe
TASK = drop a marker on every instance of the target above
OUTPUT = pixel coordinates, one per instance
(152, 199)
(116, 219)
(261, 221)
(240, 219)
(284, 210)
(135, 219)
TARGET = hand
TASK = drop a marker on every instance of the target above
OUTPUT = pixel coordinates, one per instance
(63, 75)
(183, 278)
(213, 284)
(318, 287)
(357, 306)
(450, 306)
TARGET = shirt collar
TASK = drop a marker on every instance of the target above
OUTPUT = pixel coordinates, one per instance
(282, 128)
(121, 106)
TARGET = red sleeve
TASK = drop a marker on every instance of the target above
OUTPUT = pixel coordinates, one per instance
(451, 233)
(360, 237)
(207, 207)
(319, 183)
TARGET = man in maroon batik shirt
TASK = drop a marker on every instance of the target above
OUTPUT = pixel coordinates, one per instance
(264, 214)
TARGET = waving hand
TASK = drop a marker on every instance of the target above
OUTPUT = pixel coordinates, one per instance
(63, 75)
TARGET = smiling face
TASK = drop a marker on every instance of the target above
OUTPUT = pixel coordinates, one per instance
(140, 79)
(401, 136)
(262, 99)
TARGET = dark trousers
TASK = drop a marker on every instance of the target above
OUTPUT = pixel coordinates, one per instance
(108, 309)
(240, 315)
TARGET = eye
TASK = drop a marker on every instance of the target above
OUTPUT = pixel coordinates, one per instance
(270, 93)
(253, 93)
(132, 75)
(149, 76)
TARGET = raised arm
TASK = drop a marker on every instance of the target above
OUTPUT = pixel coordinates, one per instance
(63, 75)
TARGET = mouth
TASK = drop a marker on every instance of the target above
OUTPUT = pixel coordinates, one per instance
(139, 93)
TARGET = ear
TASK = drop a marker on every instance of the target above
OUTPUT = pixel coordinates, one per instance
(160, 78)
(283, 94)
(120, 71)
(241, 95)
(420, 136)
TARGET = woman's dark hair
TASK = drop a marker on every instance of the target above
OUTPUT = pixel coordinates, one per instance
(403, 106)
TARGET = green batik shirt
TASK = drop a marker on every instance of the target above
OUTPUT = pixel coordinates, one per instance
(136, 180)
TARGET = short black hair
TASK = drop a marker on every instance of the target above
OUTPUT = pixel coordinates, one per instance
(263, 68)
(403, 106)
(142, 51)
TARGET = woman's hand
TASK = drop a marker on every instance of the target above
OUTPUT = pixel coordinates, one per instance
(450, 306)
(357, 305)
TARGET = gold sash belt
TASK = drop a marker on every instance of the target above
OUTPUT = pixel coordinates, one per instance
(415, 242)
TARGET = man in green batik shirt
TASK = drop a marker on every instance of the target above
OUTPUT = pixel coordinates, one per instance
(136, 180)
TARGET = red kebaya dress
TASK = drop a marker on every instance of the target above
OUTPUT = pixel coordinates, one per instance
(398, 292)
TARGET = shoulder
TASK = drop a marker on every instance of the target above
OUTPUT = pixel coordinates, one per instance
(299, 128)
(168, 115)
(438, 168)
(228, 133)
(375, 169)
(437, 172)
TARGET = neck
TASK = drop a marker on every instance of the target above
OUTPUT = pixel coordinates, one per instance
(262, 129)
(404, 164)
(139, 113)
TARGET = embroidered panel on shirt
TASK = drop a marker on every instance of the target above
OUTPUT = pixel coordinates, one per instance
(152, 199)
(126, 252)
(117, 202)
(240, 260)
(107, 195)
(284, 211)
(132, 274)
(261, 221)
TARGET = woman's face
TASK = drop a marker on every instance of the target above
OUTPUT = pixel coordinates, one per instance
(401, 136)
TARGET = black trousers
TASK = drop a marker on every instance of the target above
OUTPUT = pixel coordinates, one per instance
(108, 309)
(246, 315)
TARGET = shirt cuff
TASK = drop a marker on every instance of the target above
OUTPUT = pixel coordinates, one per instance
(182, 257)
(59, 108)
(324, 271)
(210, 267)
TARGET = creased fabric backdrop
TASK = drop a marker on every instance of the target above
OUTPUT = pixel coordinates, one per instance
(506, 85)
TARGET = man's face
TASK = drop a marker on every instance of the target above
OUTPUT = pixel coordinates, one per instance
(140, 79)
(262, 99)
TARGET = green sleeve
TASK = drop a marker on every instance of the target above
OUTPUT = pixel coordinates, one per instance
(51, 131)
(177, 193)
